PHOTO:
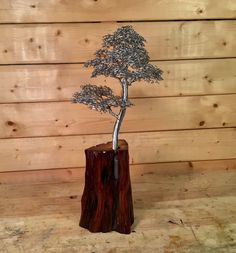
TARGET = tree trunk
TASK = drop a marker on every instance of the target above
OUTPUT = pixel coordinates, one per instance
(107, 202)
(117, 125)
(121, 115)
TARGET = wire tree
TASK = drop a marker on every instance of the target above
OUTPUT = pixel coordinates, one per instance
(123, 57)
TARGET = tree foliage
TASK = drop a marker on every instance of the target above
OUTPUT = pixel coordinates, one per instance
(123, 56)
(99, 98)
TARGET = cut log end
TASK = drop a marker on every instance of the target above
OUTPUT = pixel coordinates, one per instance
(122, 145)
(107, 198)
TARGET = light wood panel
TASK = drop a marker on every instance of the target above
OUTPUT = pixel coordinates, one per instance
(150, 114)
(49, 203)
(105, 10)
(177, 183)
(157, 172)
(29, 83)
(213, 175)
(181, 180)
(149, 147)
(77, 42)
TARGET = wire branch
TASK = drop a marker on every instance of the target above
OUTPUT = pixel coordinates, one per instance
(113, 114)
(99, 98)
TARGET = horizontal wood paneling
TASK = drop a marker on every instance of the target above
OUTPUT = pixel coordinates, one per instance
(77, 42)
(179, 206)
(105, 10)
(177, 47)
(150, 114)
(149, 147)
(27, 83)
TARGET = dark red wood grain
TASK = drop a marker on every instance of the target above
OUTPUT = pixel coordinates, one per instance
(107, 202)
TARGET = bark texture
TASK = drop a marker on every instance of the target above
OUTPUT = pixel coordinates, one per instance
(107, 202)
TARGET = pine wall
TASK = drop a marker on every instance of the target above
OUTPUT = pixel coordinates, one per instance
(189, 118)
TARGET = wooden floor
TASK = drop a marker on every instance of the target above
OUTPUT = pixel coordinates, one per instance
(187, 207)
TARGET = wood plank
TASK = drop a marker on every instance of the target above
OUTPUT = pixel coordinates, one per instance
(46, 206)
(71, 11)
(152, 173)
(150, 114)
(29, 83)
(142, 173)
(48, 43)
(183, 180)
(68, 151)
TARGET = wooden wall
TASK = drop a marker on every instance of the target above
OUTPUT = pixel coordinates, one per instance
(190, 116)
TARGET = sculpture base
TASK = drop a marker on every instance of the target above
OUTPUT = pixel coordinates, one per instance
(107, 202)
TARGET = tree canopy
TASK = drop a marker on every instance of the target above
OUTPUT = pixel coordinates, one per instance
(123, 56)
(99, 98)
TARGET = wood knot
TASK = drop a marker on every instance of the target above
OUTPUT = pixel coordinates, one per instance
(73, 197)
(199, 11)
(58, 33)
(198, 34)
(210, 81)
(69, 172)
(215, 105)
(31, 40)
(10, 123)
(33, 6)
(201, 123)
(190, 164)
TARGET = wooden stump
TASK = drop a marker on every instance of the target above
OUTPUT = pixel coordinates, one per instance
(107, 202)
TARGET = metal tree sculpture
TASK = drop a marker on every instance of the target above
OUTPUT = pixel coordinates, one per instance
(123, 57)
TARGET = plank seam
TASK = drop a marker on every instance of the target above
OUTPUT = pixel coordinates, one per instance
(152, 60)
(132, 132)
(164, 162)
(147, 97)
(81, 63)
(119, 21)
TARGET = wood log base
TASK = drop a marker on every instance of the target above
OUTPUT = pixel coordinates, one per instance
(106, 201)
